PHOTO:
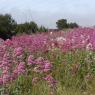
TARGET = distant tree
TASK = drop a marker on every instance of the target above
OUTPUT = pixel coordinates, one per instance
(19, 29)
(7, 26)
(33, 27)
(42, 29)
(27, 27)
(30, 27)
(73, 25)
(61, 24)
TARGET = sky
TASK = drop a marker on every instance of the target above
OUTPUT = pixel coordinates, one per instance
(47, 12)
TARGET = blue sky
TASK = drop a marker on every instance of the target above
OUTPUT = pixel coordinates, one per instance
(47, 12)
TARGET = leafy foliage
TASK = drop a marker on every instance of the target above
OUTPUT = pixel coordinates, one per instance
(62, 24)
(27, 28)
(42, 29)
(7, 26)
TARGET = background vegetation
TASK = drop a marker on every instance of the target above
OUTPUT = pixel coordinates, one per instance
(9, 27)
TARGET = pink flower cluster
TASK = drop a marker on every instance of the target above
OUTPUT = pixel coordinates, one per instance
(32, 43)
(18, 51)
(51, 81)
(17, 54)
(15, 61)
(31, 60)
(80, 38)
(77, 38)
(42, 65)
(20, 69)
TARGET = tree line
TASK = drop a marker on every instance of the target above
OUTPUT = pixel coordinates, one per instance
(9, 27)
(62, 23)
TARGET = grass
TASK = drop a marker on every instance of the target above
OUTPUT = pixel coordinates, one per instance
(74, 72)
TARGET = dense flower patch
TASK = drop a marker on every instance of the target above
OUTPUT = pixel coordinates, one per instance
(49, 57)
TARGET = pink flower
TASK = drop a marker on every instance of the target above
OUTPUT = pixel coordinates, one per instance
(6, 61)
(6, 78)
(5, 71)
(20, 69)
(47, 66)
(18, 51)
(50, 80)
(30, 60)
(8, 42)
(42, 65)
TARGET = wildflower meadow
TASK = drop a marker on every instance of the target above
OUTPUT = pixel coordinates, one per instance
(51, 63)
